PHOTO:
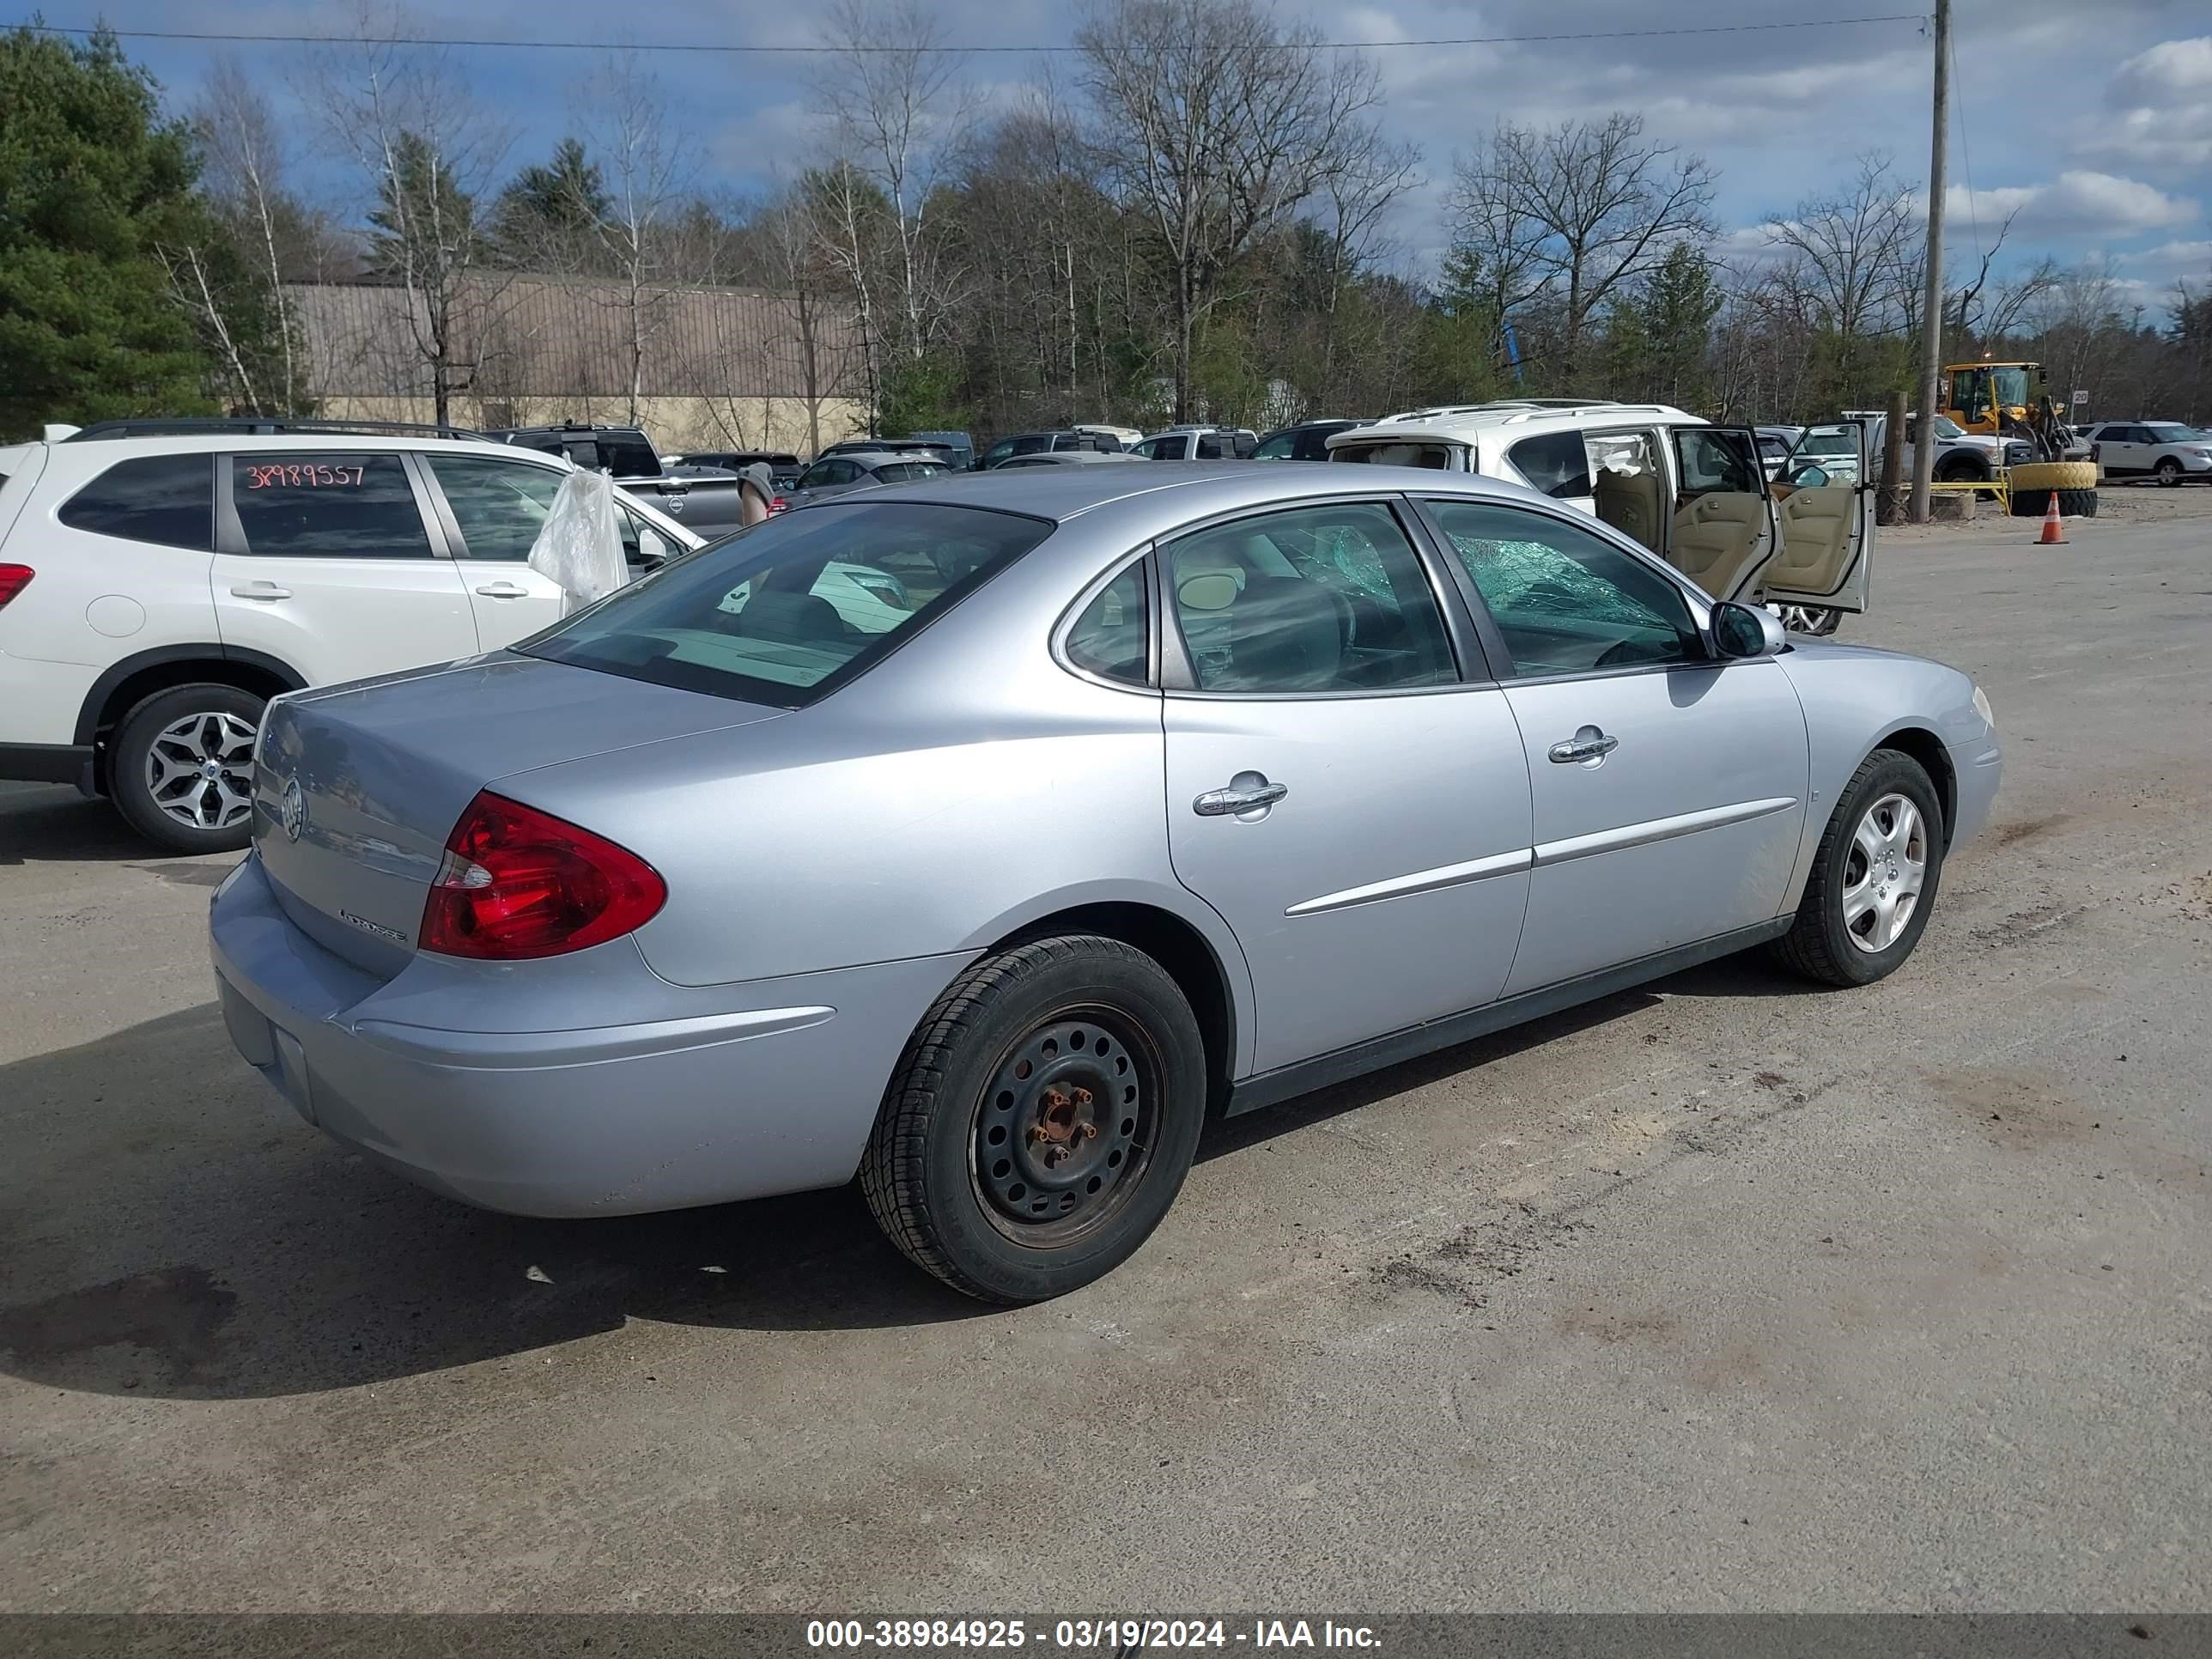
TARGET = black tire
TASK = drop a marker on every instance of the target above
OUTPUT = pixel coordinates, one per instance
(2072, 503)
(995, 1083)
(2169, 472)
(1819, 945)
(1962, 472)
(129, 758)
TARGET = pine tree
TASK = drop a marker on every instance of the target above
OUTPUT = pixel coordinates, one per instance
(93, 184)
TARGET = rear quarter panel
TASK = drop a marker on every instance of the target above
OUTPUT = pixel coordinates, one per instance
(965, 787)
(1856, 698)
(99, 598)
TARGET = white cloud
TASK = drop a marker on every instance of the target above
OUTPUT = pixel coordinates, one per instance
(2168, 69)
(2161, 105)
(2078, 202)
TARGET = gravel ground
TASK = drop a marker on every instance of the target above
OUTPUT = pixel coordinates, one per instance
(1726, 1293)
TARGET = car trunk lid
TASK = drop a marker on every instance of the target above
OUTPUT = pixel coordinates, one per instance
(356, 789)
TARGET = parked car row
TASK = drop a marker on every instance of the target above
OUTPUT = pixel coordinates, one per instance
(160, 581)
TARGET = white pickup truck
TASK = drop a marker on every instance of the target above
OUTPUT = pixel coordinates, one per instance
(1961, 457)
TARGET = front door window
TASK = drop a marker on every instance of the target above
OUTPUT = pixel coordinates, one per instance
(1566, 602)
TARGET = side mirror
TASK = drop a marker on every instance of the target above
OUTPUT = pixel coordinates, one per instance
(1744, 631)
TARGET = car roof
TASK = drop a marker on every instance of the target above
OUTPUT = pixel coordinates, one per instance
(1175, 492)
(1462, 422)
(105, 449)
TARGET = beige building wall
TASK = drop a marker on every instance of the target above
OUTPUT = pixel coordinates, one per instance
(676, 424)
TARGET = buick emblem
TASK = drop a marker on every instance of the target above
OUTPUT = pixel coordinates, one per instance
(291, 810)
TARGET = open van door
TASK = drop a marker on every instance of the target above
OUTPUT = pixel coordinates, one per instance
(1723, 534)
(1827, 525)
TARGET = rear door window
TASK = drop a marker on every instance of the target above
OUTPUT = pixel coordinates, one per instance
(786, 611)
(1316, 599)
(500, 505)
(1717, 459)
(838, 472)
(168, 499)
(327, 505)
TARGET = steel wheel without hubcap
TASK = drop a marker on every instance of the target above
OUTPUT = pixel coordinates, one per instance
(199, 770)
(1064, 1130)
(1883, 872)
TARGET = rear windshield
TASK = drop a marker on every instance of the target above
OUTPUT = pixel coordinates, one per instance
(789, 610)
(1438, 457)
(905, 471)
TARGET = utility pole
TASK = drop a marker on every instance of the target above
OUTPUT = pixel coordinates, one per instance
(1931, 303)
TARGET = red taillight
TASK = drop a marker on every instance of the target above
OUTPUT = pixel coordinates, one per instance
(779, 505)
(517, 883)
(14, 579)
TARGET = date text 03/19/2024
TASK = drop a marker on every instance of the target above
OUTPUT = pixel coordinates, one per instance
(1108, 1635)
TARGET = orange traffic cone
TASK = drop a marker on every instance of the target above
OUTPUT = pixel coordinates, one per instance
(2054, 534)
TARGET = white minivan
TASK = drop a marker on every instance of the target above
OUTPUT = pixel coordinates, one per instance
(1694, 493)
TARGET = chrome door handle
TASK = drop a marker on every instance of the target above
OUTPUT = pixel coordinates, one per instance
(1588, 745)
(504, 591)
(259, 591)
(1248, 791)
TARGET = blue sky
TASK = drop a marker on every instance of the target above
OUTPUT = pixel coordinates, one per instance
(2092, 118)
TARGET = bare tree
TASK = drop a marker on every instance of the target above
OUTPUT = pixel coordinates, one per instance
(279, 238)
(1852, 250)
(845, 214)
(1354, 202)
(895, 102)
(780, 251)
(1994, 317)
(637, 230)
(185, 270)
(1225, 122)
(404, 118)
(2077, 318)
(1590, 206)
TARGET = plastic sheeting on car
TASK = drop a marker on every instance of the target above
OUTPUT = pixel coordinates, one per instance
(580, 546)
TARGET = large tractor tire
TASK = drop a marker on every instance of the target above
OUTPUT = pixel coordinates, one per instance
(2076, 482)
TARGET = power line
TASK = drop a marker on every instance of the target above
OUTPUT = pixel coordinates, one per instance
(261, 37)
(1966, 155)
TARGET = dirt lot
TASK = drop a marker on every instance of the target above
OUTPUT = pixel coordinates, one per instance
(1722, 1294)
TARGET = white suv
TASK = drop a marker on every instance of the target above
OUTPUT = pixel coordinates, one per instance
(1694, 494)
(160, 580)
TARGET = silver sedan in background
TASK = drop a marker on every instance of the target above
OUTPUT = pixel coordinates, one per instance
(1142, 795)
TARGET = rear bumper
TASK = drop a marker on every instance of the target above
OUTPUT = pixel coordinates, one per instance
(772, 1091)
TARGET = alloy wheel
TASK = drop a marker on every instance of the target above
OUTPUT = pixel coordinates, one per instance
(1883, 874)
(199, 770)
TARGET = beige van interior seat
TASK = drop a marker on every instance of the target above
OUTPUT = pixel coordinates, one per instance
(1715, 536)
(1633, 502)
